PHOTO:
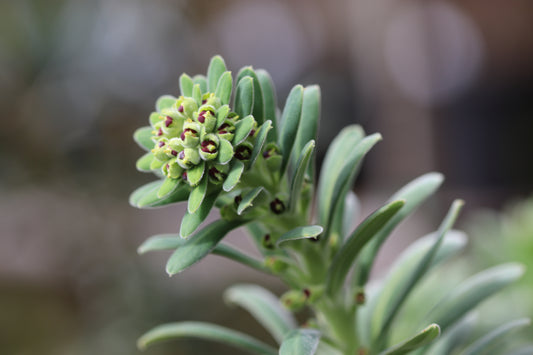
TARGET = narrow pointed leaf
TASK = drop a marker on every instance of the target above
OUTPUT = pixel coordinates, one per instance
(454, 337)
(204, 331)
(146, 196)
(260, 141)
(248, 199)
(473, 291)
(225, 152)
(299, 174)
(195, 174)
(258, 110)
(290, 120)
(191, 221)
(235, 254)
(144, 163)
(224, 86)
(269, 102)
(214, 71)
(186, 85)
(197, 93)
(243, 129)
(234, 175)
(346, 256)
(244, 97)
(264, 307)
(161, 242)
(197, 196)
(300, 342)
(168, 186)
(199, 246)
(414, 194)
(165, 101)
(352, 209)
(309, 119)
(201, 81)
(143, 137)
(304, 232)
(423, 338)
(484, 344)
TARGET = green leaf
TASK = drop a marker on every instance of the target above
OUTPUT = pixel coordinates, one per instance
(146, 195)
(473, 291)
(234, 254)
(299, 174)
(225, 152)
(300, 233)
(264, 307)
(224, 87)
(248, 199)
(200, 80)
(260, 141)
(300, 342)
(242, 129)
(290, 120)
(196, 173)
(156, 164)
(307, 129)
(453, 338)
(204, 331)
(484, 344)
(169, 185)
(344, 259)
(144, 163)
(199, 246)
(161, 242)
(406, 275)
(234, 175)
(414, 194)
(143, 137)
(215, 70)
(269, 101)
(424, 337)
(165, 101)
(222, 113)
(186, 85)
(527, 350)
(244, 97)
(352, 208)
(197, 94)
(258, 109)
(191, 221)
(197, 196)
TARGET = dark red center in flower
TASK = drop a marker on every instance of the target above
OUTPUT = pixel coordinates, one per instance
(188, 132)
(237, 200)
(222, 129)
(216, 174)
(160, 132)
(184, 175)
(277, 206)
(208, 146)
(174, 153)
(201, 116)
(306, 292)
(180, 109)
(160, 144)
(182, 155)
(252, 132)
(168, 121)
(243, 152)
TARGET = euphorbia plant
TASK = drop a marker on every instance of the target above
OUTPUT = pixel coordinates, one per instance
(224, 143)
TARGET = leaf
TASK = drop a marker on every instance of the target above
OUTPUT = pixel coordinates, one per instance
(225, 152)
(161, 242)
(289, 122)
(214, 71)
(144, 163)
(201, 81)
(484, 344)
(143, 137)
(300, 233)
(191, 221)
(243, 129)
(222, 114)
(146, 196)
(352, 208)
(307, 129)
(165, 101)
(269, 102)
(406, 275)
(454, 337)
(234, 175)
(344, 259)
(248, 199)
(244, 97)
(186, 85)
(472, 291)
(424, 337)
(197, 196)
(204, 331)
(414, 193)
(300, 342)
(258, 110)
(196, 173)
(260, 141)
(197, 94)
(224, 87)
(264, 307)
(299, 174)
(234, 254)
(199, 246)
(168, 186)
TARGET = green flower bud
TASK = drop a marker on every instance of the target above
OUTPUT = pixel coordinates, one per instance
(186, 106)
(266, 242)
(275, 264)
(160, 148)
(172, 169)
(271, 150)
(208, 149)
(295, 300)
(211, 99)
(218, 173)
(187, 158)
(244, 151)
(226, 130)
(191, 134)
(174, 144)
(207, 117)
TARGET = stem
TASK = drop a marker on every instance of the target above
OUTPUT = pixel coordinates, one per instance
(341, 323)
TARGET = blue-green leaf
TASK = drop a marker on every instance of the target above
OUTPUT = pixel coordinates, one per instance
(169, 185)
(224, 87)
(165, 101)
(258, 109)
(161, 242)
(243, 129)
(299, 174)
(269, 101)
(248, 199)
(300, 342)
(244, 97)
(197, 196)
(453, 338)
(197, 93)
(307, 129)
(300, 233)
(214, 71)
(485, 343)
(201, 81)
(186, 85)
(206, 331)
(423, 338)
(290, 120)
(264, 307)
(225, 152)
(143, 137)
(146, 195)
(234, 175)
(144, 163)
(344, 259)
(196, 173)
(199, 246)
(191, 221)
(260, 141)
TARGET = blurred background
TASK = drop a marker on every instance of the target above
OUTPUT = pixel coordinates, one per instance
(448, 84)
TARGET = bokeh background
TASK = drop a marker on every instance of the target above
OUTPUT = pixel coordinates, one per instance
(448, 84)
